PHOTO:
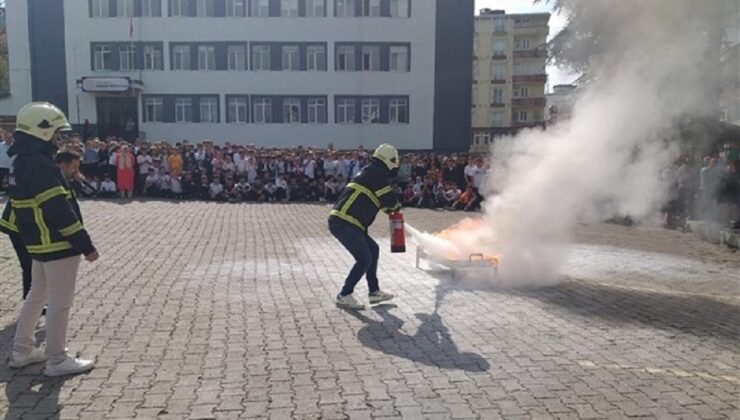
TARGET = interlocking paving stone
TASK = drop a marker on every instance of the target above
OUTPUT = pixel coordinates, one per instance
(215, 311)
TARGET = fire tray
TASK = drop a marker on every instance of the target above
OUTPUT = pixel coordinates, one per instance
(477, 260)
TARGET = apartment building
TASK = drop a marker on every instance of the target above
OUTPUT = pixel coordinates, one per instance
(509, 77)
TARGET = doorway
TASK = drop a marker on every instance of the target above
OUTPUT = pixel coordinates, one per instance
(118, 116)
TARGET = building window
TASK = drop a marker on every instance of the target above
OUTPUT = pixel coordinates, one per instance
(292, 111)
(291, 58)
(125, 8)
(499, 47)
(344, 8)
(399, 111)
(400, 8)
(238, 110)
(289, 8)
(236, 8)
(181, 57)
(127, 57)
(261, 57)
(521, 44)
(521, 92)
(102, 58)
(497, 96)
(151, 8)
(473, 118)
(498, 72)
(180, 8)
(345, 111)
(237, 57)
(537, 115)
(317, 111)
(371, 8)
(206, 8)
(346, 58)
(370, 111)
(497, 119)
(153, 57)
(481, 138)
(522, 21)
(206, 57)
(100, 8)
(499, 24)
(153, 109)
(526, 68)
(183, 110)
(262, 110)
(370, 58)
(520, 115)
(315, 8)
(316, 58)
(209, 110)
(261, 8)
(399, 60)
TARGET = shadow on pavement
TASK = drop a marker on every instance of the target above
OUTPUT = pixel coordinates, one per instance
(431, 345)
(28, 392)
(689, 314)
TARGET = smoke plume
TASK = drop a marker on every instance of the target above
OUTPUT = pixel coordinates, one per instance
(652, 66)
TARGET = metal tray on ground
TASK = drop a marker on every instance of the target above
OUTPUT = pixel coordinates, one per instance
(476, 260)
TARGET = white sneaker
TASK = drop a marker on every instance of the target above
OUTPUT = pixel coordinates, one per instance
(37, 355)
(380, 296)
(349, 302)
(70, 366)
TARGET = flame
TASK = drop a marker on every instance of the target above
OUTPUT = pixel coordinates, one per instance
(461, 232)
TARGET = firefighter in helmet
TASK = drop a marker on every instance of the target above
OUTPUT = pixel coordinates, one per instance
(43, 211)
(355, 210)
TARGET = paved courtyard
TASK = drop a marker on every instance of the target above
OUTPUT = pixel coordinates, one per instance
(203, 311)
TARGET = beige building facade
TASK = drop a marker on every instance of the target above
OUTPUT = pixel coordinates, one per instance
(509, 75)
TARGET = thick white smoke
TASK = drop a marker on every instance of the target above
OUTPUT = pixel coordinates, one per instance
(654, 68)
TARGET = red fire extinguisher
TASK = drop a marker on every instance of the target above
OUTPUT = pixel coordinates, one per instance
(398, 235)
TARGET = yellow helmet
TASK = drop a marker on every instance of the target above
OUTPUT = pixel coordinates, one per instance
(41, 120)
(388, 154)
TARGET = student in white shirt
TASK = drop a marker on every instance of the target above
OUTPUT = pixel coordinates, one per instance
(176, 186)
(281, 189)
(216, 191)
(108, 188)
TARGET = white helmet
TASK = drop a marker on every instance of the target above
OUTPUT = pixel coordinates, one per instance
(41, 120)
(388, 154)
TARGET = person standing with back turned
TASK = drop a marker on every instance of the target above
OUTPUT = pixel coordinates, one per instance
(49, 223)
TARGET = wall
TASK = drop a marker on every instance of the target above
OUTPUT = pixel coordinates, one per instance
(419, 84)
(19, 58)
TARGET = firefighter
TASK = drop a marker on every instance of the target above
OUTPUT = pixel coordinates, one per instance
(354, 211)
(69, 165)
(45, 213)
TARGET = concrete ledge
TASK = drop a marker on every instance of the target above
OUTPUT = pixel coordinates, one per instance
(714, 233)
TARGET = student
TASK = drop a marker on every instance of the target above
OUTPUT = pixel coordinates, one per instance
(107, 188)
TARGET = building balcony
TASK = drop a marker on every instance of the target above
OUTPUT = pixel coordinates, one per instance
(498, 81)
(530, 78)
(536, 53)
(529, 102)
(498, 105)
(527, 124)
(497, 56)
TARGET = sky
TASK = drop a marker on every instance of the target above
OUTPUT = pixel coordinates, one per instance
(557, 21)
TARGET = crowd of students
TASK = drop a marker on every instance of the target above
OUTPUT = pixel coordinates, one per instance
(238, 173)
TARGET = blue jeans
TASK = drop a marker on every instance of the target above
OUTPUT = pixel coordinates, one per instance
(365, 251)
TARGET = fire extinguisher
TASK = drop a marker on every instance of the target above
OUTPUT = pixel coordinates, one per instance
(398, 235)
